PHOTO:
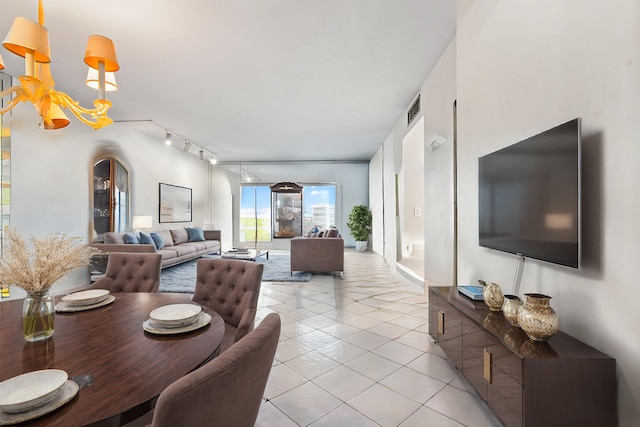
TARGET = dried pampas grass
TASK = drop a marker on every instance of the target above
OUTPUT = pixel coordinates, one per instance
(51, 259)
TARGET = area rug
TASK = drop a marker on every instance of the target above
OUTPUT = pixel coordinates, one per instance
(182, 277)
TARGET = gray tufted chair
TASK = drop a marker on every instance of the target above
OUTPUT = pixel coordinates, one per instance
(131, 272)
(231, 289)
(228, 390)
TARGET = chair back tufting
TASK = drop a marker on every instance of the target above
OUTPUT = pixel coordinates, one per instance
(231, 288)
(131, 272)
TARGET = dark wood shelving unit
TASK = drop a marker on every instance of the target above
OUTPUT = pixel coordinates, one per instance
(561, 382)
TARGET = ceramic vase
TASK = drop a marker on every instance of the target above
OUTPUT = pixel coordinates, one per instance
(512, 304)
(38, 314)
(493, 296)
(537, 318)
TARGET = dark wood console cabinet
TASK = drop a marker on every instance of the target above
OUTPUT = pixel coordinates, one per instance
(561, 382)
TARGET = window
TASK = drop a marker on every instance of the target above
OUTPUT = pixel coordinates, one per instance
(319, 204)
(255, 213)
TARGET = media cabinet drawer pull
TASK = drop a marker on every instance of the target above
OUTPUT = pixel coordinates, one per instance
(441, 322)
(487, 366)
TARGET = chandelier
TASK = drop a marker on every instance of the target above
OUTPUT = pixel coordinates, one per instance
(30, 40)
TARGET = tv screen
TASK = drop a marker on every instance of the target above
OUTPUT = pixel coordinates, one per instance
(529, 197)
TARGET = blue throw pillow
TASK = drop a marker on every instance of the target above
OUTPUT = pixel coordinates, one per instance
(195, 234)
(145, 239)
(131, 238)
(157, 240)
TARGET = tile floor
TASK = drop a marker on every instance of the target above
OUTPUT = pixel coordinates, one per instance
(355, 351)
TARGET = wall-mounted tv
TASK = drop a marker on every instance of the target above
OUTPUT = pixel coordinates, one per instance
(529, 197)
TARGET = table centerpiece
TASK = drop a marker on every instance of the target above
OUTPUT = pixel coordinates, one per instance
(35, 270)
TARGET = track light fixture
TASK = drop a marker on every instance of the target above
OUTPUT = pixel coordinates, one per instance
(171, 135)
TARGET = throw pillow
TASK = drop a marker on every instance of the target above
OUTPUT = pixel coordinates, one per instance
(131, 238)
(195, 234)
(157, 240)
(145, 239)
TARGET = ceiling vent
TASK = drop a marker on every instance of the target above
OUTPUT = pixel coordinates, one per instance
(413, 111)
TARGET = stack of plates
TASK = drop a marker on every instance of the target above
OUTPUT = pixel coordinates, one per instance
(34, 394)
(176, 318)
(85, 300)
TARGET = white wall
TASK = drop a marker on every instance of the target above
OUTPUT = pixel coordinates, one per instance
(524, 67)
(376, 201)
(438, 94)
(412, 187)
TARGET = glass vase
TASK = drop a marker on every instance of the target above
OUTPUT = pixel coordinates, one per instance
(38, 314)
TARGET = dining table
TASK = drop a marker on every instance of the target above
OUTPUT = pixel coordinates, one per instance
(128, 366)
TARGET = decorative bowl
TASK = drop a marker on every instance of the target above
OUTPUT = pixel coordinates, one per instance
(88, 297)
(175, 315)
(30, 390)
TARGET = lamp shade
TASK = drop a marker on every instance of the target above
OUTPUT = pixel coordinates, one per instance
(1, 63)
(101, 48)
(55, 119)
(26, 35)
(93, 82)
(142, 222)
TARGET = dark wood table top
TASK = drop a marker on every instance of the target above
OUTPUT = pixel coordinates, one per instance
(131, 367)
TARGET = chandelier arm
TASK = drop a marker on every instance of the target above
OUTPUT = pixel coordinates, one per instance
(20, 97)
(98, 114)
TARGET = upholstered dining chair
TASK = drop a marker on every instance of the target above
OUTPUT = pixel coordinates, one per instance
(230, 288)
(131, 272)
(226, 391)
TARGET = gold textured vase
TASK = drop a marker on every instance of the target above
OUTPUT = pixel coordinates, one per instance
(537, 318)
(512, 304)
(493, 296)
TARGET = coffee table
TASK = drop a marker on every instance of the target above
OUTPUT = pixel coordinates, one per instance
(249, 255)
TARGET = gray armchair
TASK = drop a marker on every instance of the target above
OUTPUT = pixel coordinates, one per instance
(230, 288)
(228, 390)
(131, 272)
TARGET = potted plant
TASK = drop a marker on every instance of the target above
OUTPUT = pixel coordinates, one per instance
(359, 224)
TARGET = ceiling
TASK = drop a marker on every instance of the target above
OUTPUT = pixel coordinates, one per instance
(252, 80)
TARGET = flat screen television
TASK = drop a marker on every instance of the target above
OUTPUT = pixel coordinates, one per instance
(529, 197)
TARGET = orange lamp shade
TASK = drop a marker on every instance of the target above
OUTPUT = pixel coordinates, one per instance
(1, 63)
(56, 119)
(101, 48)
(26, 35)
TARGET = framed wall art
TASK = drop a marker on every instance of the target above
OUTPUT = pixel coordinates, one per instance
(175, 203)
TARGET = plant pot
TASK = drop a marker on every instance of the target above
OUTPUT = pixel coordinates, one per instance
(361, 246)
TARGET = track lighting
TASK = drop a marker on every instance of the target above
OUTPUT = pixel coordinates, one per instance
(201, 154)
(187, 146)
(167, 139)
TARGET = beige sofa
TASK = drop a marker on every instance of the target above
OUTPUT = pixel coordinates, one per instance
(177, 247)
(317, 254)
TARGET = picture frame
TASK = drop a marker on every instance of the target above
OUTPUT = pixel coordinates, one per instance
(175, 203)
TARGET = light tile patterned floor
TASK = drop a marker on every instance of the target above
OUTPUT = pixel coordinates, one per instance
(355, 351)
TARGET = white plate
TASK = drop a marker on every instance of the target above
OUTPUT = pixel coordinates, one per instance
(175, 315)
(88, 297)
(202, 319)
(67, 392)
(63, 307)
(30, 390)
